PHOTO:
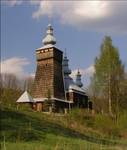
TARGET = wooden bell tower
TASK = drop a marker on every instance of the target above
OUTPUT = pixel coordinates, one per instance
(49, 75)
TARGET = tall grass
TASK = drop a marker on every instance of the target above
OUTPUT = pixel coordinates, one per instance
(53, 142)
(28, 130)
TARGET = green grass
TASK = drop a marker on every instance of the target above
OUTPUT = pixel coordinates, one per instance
(28, 130)
(59, 143)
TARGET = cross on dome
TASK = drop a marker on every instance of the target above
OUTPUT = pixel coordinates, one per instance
(49, 38)
(78, 79)
(66, 69)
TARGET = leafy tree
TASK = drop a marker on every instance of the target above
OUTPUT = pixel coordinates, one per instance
(9, 81)
(28, 84)
(123, 93)
(109, 74)
(11, 88)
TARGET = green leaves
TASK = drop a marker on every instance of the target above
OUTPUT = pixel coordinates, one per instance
(109, 72)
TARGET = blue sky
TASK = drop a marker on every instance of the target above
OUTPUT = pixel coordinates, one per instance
(78, 26)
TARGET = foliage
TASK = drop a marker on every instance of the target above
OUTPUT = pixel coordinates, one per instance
(111, 127)
(11, 89)
(31, 130)
(9, 96)
(108, 78)
(28, 84)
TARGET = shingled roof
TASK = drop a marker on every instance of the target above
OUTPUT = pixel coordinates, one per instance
(25, 98)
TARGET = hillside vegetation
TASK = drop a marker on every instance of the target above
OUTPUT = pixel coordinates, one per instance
(25, 130)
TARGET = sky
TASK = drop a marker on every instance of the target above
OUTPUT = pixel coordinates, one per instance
(79, 27)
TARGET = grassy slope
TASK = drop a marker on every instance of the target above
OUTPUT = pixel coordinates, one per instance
(25, 130)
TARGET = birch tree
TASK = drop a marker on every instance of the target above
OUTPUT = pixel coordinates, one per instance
(109, 73)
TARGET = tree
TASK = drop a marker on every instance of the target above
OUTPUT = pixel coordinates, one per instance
(9, 89)
(108, 76)
(28, 84)
(12, 87)
(123, 93)
(9, 81)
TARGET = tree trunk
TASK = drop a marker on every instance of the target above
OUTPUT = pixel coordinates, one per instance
(109, 96)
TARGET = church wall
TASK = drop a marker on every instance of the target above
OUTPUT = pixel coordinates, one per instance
(49, 78)
(43, 84)
(79, 100)
(39, 106)
(58, 81)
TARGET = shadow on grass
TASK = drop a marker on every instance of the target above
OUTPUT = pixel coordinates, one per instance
(18, 126)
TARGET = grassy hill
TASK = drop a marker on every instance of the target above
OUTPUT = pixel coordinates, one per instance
(28, 130)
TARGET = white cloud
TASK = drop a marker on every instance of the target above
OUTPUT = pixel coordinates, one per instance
(32, 75)
(90, 70)
(12, 2)
(104, 16)
(14, 65)
(93, 15)
(18, 2)
(35, 2)
(84, 72)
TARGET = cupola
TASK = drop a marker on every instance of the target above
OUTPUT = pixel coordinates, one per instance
(49, 38)
(78, 79)
(66, 69)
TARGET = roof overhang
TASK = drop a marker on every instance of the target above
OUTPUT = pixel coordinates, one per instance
(40, 99)
(61, 100)
(53, 98)
(75, 91)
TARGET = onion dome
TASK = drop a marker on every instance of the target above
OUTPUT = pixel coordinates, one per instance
(66, 69)
(49, 38)
(78, 79)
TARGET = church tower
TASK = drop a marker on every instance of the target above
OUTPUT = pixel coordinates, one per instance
(49, 75)
(78, 79)
(66, 71)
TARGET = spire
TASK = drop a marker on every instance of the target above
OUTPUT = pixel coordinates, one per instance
(66, 69)
(49, 38)
(78, 79)
(65, 53)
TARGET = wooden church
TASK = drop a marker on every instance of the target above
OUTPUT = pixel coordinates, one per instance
(52, 81)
